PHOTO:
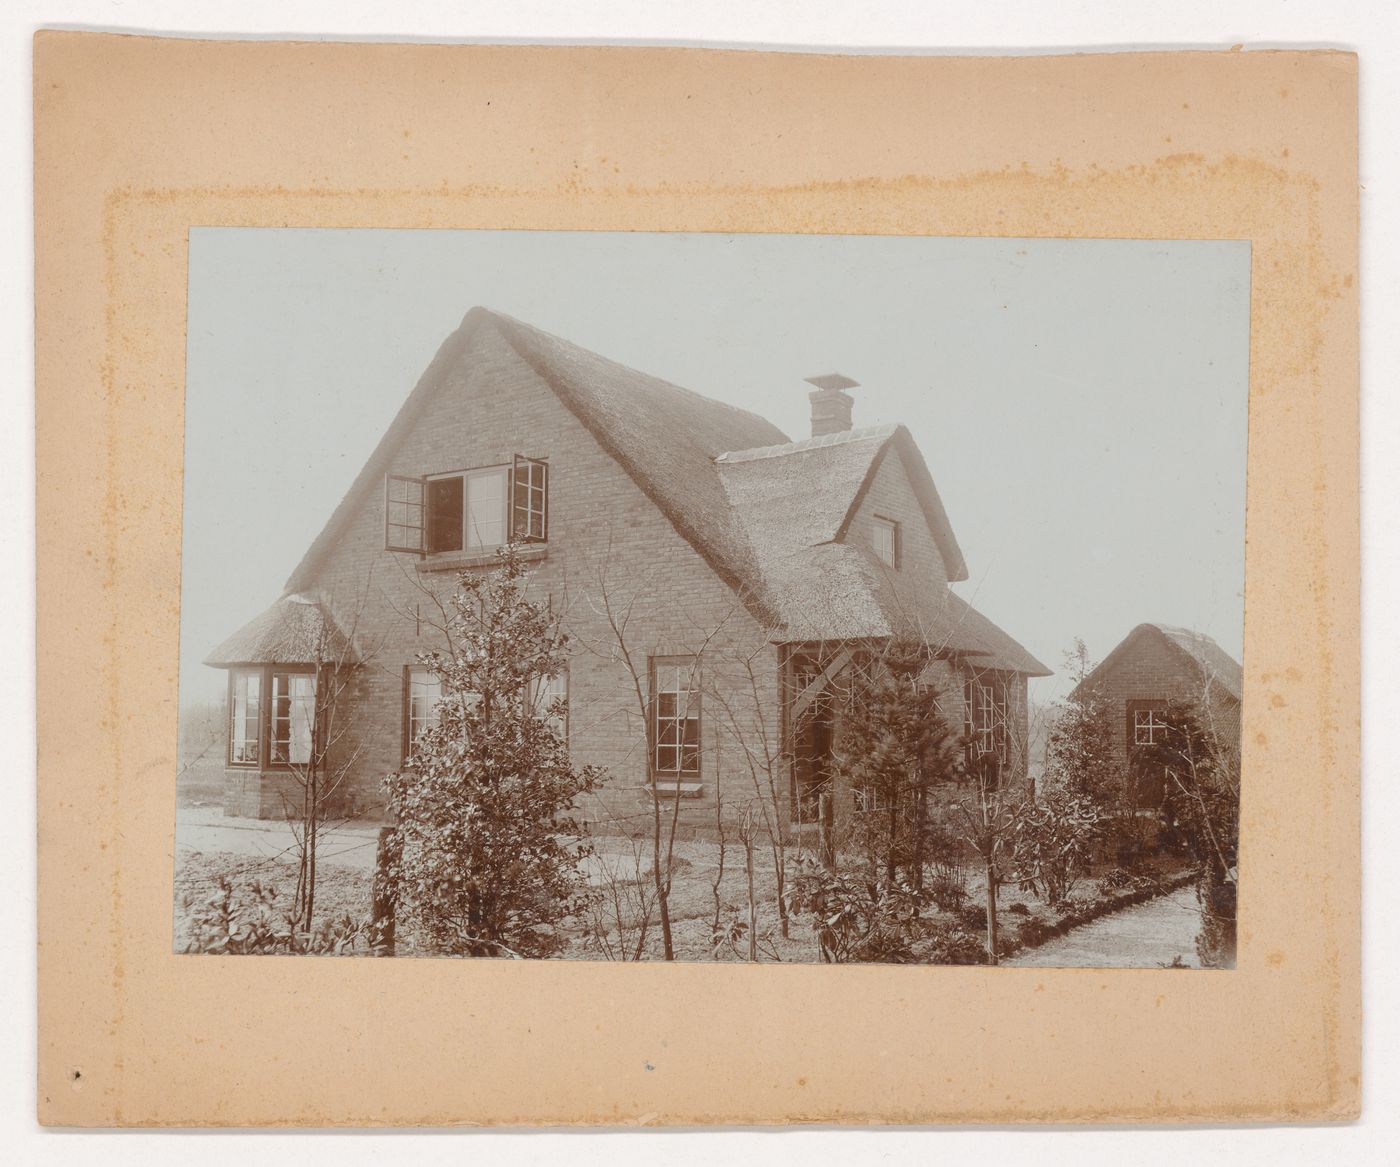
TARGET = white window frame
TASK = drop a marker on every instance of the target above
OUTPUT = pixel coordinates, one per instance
(422, 686)
(543, 692)
(1149, 722)
(471, 542)
(676, 677)
(884, 540)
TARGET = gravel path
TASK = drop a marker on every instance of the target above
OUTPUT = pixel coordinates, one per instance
(1147, 936)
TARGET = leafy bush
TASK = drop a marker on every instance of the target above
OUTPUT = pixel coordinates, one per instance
(487, 858)
(949, 944)
(856, 920)
(252, 920)
(1120, 879)
(1053, 843)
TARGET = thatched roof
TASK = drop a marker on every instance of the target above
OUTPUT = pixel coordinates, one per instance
(296, 630)
(665, 437)
(1211, 662)
(767, 514)
(797, 500)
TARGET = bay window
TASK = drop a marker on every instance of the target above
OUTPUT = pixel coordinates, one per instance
(272, 716)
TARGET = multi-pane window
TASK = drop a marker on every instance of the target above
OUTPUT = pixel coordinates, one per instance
(244, 732)
(675, 715)
(885, 540)
(421, 705)
(472, 511)
(293, 715)
(546, 695)
(275, 706)
(984, 713)
(529, 502)
(1149, 727)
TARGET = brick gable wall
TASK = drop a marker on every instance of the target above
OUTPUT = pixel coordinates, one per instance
(603, 530)
(1153, 673)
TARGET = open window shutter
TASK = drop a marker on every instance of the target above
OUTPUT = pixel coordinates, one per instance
(529, 500)
(405, 514)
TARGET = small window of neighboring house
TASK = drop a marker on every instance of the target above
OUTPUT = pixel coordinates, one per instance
(675, 702)
(273, 705)
(885, 540)
(1149, 727)
(423, 692)
(548, 697)
(471, 511)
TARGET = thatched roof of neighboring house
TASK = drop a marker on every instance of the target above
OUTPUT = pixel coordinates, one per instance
(1214, 662)
(296, 630)
(1211, 662)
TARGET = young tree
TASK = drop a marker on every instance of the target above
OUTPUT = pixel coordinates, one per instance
(333, 745)
(1202, 772)
(1081, 759)
(895, 747)
(487, 858)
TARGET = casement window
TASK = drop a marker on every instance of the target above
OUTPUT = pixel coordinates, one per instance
(1149, 727)
(884, 535)
(542, 695)
(675, 704)
(468, 511)
(868, 798)
(272, 716)
(984, 716)
(245, 713)
(422, 692)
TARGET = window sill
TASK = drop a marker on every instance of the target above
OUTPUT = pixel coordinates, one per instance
(666, 789)
(456, 561)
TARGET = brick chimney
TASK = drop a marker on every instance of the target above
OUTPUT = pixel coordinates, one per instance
(831, 404)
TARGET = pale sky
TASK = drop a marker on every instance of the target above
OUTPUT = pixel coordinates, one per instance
(1081, 403)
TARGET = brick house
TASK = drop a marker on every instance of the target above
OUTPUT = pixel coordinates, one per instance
(1156, 666)
(745, 574)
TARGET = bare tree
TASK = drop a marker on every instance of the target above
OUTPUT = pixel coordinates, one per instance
(337, 743)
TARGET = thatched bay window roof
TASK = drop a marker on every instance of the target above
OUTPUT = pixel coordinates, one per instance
(296, 630)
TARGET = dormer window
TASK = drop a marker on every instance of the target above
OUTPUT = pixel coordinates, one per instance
(885, 540)
(471, 511)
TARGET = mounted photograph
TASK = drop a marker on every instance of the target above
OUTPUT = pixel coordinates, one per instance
(698, 597)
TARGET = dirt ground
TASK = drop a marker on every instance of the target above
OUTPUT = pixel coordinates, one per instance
(209, 845)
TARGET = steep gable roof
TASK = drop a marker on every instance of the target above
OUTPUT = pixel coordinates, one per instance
(807, 492)
(1211, 662)
(664, 436)
(766, 513)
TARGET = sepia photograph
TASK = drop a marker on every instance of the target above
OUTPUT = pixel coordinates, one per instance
(641, 596)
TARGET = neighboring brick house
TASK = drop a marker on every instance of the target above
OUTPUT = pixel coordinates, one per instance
(746, 572)
(1154, 667)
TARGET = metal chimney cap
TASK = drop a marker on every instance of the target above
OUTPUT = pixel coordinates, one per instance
(831, 381)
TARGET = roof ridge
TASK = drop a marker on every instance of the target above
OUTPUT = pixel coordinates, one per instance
(525, 326)
(841, 437)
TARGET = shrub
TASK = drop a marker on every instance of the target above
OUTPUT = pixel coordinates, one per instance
(487, 858)
(973, 916)
(856, 920)
(252, 920)
(949, 944)
(1053, 843)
